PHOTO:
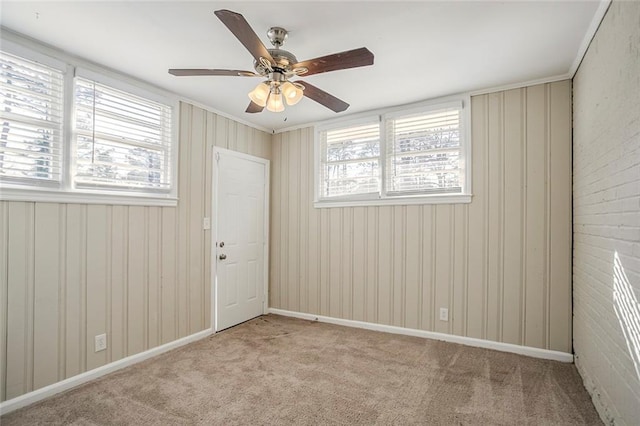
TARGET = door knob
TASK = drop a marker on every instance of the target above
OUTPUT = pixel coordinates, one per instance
(222, 256)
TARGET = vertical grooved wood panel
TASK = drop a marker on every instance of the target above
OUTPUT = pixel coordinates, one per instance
(412, 266)
(283, 188)
(46, 294)
(108, 280)
(306, 198)
(116, 341)
(535, 250)
(560, 216)
(476, 222)
(185, 194)
(399, 255)
(313, 254)
(347, 264)
(139, 274)
(19, 309)
(513, 217)
(153, 277)
(275, 250)
(428, 267)
(459, 306)
(442, 265)
(494, 219)
(194, 212)
(323, 293)
(208, 199)
(371, 287)
(4, 268)
(359, 263)
(499, 264)
(220, 138)
(384, 264)
(168, 281)
(136, 281)
(335, 262)
(96, 285)
(73, 282)
(242, 142)
(293, 226)
(232, 132)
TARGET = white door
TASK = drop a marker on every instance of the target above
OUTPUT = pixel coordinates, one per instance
(240, 213)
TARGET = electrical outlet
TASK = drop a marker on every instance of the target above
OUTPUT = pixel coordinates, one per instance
(444, 314)
(101, 342)
(206, 223)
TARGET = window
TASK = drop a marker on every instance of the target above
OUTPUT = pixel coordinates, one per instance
(422, 157)
(121, 140)
(32, 116)
(424, 152)
(351, 160)
(71, 134)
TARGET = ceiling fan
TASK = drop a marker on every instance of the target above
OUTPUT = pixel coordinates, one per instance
(278, 66)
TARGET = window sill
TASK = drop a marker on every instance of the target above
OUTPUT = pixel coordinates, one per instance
(78, 197)
(396, 201)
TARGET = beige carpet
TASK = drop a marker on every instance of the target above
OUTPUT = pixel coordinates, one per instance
(277, 370)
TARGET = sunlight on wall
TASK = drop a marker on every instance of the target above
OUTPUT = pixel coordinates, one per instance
(627, 310)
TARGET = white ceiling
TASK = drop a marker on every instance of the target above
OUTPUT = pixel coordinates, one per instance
(422, 49)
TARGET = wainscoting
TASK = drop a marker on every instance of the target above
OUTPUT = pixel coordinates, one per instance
(501, 264)
(139, 274)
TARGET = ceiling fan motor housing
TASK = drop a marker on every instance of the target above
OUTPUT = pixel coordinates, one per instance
(284, 62)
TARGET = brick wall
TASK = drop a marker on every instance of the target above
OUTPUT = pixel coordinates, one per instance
(606, 203)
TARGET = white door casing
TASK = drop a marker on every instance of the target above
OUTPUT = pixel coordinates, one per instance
(240, 237)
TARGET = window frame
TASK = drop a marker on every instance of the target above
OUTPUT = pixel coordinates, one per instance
(381, 115)
(67, 191)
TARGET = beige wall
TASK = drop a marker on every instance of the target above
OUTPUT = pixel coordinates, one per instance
(606, 199)
(502, 264)
(140, 274)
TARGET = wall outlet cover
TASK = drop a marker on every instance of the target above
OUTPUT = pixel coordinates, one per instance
(444, 314)
(101, 342)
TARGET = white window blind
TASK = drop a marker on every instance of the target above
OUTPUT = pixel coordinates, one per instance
(424, 152)
(32, 119)
(350, 160)
(122, 141)
(406, 155)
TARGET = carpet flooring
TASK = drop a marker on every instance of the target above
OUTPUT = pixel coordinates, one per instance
(277, 370)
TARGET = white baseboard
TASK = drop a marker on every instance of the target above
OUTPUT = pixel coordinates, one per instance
(71, 382)
(469, 341)
(50, 390)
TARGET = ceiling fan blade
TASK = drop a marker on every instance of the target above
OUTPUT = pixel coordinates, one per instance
(338, 61)
(323, 98)
(253, 108)
(243, 32)
(180, 72)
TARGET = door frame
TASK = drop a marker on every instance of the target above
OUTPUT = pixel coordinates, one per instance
(214, 229)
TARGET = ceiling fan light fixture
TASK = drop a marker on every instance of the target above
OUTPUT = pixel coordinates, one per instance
(260, 94)
(292, 93)
(275, 104)
(277, 66)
